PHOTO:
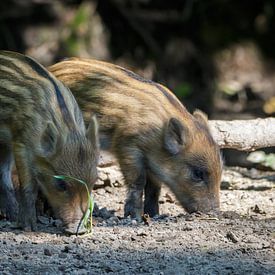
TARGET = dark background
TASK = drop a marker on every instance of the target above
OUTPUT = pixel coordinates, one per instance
(215, 55)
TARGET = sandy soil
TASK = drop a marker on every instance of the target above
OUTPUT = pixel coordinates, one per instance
(239, 241)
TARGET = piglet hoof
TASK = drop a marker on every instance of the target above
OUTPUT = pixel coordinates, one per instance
(9, 207)
(132, 212)
(151, 211)
(10, 214)
(30, 228)
(27, 225)
(27, 228)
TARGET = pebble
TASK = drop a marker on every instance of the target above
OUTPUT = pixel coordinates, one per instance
(142, 233)
(78, 240)
(160, 217)
(100, 191)
(47, 252)
(66, 249)
(232, 237)
(62, 255)
(134, 222)
(113, 220)
(109, 189)
(104, 213)
(225, 185)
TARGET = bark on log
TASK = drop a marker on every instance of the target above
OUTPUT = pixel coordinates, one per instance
(244, 135)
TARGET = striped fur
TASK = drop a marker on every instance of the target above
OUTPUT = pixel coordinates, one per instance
(42, 127)
(154, 137)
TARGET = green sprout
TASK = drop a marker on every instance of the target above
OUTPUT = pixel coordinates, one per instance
(260, 157)
(87, 219)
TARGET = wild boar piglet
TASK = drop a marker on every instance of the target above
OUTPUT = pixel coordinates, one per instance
(155, 139)
(42, 129)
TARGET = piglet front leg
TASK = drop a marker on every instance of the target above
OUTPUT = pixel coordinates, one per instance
(27, 188)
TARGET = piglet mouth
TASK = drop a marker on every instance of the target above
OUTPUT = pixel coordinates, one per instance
(204, 209)
(78, 227)
(203, 205)
(75, 229)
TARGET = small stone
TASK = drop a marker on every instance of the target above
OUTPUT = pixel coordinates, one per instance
(225, 185)
(265, 245)
(109, 189)
(77, 240)
(187, 228)
(100, 191)
(66, 249)
(244, 250)
(67, 240)
(142, 233)
(113, 220)
(116, 230)
(256, 209)
(105, 213)
(47, 252)
(62, 255)
(61, 268)
(232, 237)
(189, 218)
(160, 217)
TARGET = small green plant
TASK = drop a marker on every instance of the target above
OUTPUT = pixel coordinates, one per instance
(88, 216)
(183, 90)
(260, 157)
(77, 33)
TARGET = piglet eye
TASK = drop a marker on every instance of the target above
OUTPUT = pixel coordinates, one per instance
(61, 185)
(198, 174)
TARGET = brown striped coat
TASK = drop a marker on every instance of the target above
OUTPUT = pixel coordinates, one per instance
(154, 137)
(42, 128)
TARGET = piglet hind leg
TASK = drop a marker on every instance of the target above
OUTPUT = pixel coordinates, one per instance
(27, 189)
(151, 201)
(8, 203)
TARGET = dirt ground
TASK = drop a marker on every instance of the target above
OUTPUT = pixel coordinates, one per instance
(239, 241)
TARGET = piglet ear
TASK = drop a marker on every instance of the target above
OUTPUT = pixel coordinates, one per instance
(201, 116)
(51, 141)
(92, 133)
(175, 136)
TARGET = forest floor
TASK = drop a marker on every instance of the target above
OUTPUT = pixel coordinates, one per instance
(239, 241)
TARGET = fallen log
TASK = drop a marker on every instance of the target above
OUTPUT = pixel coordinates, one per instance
(244, 135)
